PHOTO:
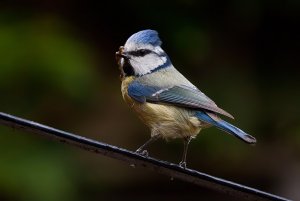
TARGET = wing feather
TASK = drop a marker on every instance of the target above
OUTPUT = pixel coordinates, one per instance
(181, 95)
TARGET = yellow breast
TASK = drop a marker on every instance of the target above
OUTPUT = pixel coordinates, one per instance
(169, 121)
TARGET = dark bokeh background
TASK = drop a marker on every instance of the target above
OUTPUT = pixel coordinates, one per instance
(57, 67)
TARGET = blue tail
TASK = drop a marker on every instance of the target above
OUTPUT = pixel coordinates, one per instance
(227, 127)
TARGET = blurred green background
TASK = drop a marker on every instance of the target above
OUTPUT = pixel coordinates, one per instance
(57, 67)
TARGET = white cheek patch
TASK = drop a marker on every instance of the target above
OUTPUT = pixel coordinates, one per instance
(146, 64)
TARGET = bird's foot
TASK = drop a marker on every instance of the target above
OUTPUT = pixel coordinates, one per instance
(182, 164)
(142, 152)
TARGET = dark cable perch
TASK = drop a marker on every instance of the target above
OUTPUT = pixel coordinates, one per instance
(163, 167)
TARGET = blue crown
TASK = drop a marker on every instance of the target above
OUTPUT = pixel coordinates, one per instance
(145, 37)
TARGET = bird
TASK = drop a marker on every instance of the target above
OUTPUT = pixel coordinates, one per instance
(165, 101)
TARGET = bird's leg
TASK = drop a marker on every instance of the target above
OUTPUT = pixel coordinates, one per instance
(141, 150)
(186, 142)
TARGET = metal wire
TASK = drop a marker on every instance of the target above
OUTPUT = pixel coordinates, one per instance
(163, 167)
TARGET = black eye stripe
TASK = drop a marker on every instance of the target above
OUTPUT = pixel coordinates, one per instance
(140, 53)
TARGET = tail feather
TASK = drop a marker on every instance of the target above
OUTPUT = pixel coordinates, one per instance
(227, 127)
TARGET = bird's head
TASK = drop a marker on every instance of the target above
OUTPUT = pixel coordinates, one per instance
(142, 54)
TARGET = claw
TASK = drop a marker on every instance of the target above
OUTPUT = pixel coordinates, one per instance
(142, 152)
(182, 164)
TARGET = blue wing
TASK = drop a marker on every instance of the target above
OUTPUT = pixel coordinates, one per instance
(182, 96)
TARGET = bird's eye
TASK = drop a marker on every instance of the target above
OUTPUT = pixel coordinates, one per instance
(141, 52)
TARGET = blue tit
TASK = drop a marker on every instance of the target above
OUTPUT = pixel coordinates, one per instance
(168, 103)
